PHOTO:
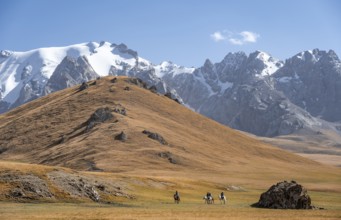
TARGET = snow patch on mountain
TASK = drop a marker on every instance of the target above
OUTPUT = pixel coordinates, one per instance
(225, 86)
(271, 65)
(24, 75)
(168, 67)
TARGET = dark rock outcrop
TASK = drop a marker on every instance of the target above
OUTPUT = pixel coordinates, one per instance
(169, 156)
(99, 116)
(170, 96)
(121, 136)
(83, 86)
(120, 110)
(285, 195)
(155, 136)
(153, 89)
(138, 82)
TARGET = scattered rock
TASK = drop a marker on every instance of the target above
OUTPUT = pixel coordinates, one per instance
(127, 88)
(120, 110)
(155, 136)
(171, 160)
(285, 195)
(153, 89)
(137, 82)
(169, 95)
(83, 86)
(169, 156)
(165, 154)
(101, 187)
(93, 83)
(122, 136)
(92, 166)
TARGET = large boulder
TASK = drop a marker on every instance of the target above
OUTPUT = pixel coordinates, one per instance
(285, 195)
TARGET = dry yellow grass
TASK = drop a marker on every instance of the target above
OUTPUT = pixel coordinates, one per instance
(235, 209)
(334, 160)
(323, 147)
(208, 156)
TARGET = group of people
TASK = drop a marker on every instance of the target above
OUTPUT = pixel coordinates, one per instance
(207, 198)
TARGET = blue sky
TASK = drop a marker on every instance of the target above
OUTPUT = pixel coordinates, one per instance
(183, 31)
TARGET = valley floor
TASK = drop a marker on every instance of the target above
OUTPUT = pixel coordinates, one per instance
(334, 160)
(237, 208)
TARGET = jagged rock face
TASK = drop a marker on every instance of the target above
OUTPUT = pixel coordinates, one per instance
(312, 80)
(240, 92)
(31, 90)
(285, 195)
(70, 72)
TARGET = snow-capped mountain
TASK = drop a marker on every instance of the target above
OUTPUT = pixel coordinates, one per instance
(262, 95)
(255, 93)
(25, 76)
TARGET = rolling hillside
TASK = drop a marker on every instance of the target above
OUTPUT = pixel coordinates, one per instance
(162, 140)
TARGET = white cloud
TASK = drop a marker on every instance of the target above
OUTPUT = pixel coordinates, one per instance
(217, 36)
(236, 41)
(249, 36)
(235, 38)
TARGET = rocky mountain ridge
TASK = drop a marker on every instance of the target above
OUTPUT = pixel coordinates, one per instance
(255, 93)
(264, 96)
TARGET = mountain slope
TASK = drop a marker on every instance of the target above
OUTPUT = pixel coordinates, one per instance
(164, 147)
(255, 93)
(56, 130)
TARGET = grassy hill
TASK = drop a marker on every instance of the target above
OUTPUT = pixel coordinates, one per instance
(77, 146)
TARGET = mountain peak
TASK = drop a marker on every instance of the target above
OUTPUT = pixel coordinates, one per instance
(5, 53)
(122, 48)
(265, 62)
(208, 63)
(260, 55)
(314, 55)
(232, 58)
